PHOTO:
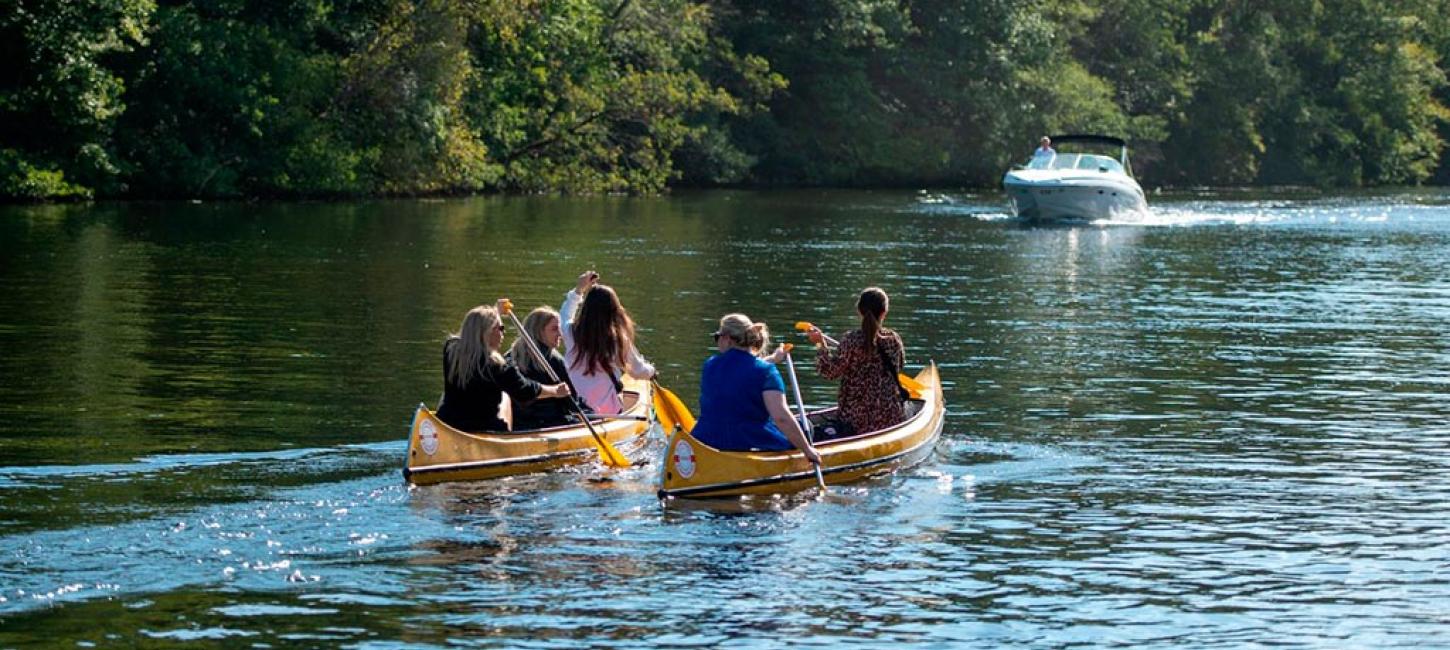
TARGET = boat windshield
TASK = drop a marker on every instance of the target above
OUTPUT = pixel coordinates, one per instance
(1077, 161)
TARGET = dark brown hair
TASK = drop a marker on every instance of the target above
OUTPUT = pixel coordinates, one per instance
(603, 332)
(872, 304)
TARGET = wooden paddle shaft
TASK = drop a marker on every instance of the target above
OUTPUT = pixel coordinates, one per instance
(795, 386)
(539, 357)
(800, 404)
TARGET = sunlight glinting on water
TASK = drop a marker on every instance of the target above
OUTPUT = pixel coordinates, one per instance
(1218, 426)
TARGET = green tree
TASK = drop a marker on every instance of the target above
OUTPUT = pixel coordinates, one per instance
(58, 97)
(589, 96)
(1366, 111)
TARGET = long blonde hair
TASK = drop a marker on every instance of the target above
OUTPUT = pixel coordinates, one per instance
(468, 348)
(534, 326)
(743, 332)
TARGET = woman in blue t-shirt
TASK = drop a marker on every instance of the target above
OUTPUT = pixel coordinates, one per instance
(742, 397)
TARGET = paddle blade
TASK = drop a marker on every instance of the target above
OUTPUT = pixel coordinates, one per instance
(608, 454)
(671, 411)
(803, 325)
(663, 413)
(912, 386)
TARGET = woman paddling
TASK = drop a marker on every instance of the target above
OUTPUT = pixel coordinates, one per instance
(475, 376)
(542, 325)
(742, 397)
(599, 342)
(866, 362)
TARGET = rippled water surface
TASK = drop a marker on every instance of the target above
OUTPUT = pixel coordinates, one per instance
(1224, 425)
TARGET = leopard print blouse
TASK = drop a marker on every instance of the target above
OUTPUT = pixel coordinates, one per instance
(869, 398)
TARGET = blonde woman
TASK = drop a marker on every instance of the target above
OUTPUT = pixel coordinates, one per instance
(475, 376)
(542, 325)
(599, 342)
(742, 397)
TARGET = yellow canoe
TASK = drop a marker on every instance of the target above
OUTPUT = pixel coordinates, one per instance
(439, 453)
(694, 469)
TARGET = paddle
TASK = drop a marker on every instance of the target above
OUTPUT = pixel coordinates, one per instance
(801, 405)
(912, 386)
(607, 452)
(671, 410)
(631, 418)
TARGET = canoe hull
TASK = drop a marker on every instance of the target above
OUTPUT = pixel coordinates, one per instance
(693, 469)
(438, 453)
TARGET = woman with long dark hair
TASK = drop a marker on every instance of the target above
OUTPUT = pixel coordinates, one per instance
(599, 344)
(866, 362)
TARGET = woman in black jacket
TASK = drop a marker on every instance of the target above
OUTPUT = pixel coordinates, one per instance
(476, 377)
(542, 325)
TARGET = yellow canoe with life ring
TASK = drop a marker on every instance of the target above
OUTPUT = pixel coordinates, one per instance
(438, 453)
(694, 469)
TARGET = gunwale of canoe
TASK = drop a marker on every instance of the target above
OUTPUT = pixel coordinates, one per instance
(694, 469)
(462, 456)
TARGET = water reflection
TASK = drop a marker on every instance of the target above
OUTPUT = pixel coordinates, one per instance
(1219, 428)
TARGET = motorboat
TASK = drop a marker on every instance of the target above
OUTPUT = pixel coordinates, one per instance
(1076, 184)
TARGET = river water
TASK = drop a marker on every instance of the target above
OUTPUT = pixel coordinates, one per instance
(1222, 426)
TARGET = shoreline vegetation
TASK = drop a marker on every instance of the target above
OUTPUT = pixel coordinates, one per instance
(328, 99)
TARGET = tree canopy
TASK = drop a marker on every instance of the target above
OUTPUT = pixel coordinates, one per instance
(242, 98)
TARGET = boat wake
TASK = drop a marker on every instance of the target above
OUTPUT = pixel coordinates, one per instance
(1180, 211)
(34, 475)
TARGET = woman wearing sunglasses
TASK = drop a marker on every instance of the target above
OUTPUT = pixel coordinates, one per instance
(475, 376)
(742, 396)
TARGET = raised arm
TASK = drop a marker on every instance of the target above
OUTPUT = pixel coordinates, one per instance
(566, 317)
(831, 362)
(571, 304)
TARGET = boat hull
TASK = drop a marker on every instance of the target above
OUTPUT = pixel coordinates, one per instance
(438, 453)
(694, 469)
(1037, 196)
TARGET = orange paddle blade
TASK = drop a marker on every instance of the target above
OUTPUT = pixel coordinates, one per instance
(671, 411)
(607, 453)
(912, 386)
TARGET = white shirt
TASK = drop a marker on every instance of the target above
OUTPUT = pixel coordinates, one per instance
(1043, 156)
(596, 388)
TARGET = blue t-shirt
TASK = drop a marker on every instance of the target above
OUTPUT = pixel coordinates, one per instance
(732, 412)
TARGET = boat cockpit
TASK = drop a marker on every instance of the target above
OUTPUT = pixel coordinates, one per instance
(1082, 161)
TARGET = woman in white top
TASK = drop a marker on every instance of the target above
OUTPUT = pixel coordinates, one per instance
(599, 342)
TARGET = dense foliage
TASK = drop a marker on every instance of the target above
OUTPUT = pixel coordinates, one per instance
(232, 98)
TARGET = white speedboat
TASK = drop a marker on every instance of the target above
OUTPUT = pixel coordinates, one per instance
(1074, 185)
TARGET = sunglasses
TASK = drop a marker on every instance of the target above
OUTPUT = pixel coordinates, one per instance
(714, 336)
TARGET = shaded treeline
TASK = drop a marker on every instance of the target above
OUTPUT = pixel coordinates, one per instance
(229, 98)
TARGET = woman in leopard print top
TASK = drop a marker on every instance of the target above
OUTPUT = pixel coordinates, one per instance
(866, 362)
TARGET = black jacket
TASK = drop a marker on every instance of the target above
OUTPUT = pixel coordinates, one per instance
(550, 411)
(475, 407)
